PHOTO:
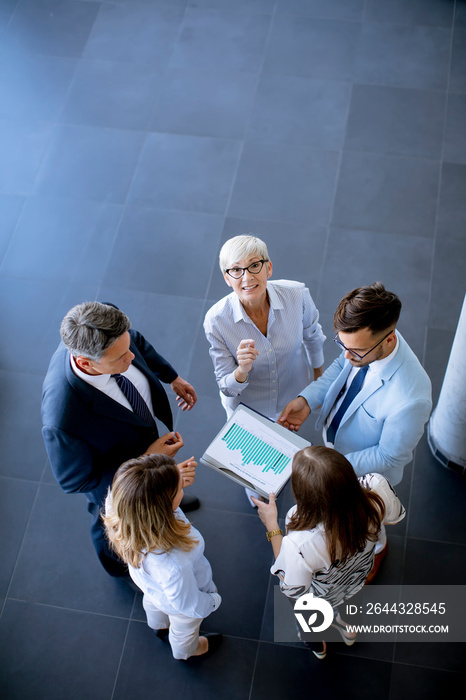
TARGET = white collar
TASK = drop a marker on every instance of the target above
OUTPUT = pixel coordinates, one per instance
(378, 365)
(97, 380)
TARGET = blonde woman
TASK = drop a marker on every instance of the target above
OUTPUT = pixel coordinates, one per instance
(264, 337)
(163, 551)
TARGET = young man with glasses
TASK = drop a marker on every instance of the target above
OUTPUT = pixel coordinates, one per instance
(375, 398)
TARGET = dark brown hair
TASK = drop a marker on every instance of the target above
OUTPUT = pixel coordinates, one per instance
(139, 517)
(327, 491)
(370, 307)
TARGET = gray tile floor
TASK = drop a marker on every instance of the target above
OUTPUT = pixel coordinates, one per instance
(135, 137)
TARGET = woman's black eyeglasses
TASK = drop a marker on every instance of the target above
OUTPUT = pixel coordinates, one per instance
(254, 268)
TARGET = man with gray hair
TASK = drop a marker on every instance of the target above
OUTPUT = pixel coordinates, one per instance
(101, 395)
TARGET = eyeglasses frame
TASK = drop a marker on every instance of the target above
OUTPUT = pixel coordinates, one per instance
(337, 340)
(243, 269)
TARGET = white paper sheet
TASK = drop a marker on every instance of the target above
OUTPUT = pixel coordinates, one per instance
(255, 449)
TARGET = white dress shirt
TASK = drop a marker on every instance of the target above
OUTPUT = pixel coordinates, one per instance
(374, 368)
(293, 344)
(108, 384)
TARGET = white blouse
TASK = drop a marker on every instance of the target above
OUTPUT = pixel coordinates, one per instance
(304, 563)
(293, 344)
(177, 582)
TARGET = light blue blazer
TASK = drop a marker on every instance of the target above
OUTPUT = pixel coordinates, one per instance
(385, 421)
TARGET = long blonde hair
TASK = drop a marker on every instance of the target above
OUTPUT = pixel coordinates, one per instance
(140, 517)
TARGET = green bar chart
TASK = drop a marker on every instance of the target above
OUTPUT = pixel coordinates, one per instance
(255, 451)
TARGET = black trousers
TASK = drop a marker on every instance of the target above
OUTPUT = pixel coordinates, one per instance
(109, 560)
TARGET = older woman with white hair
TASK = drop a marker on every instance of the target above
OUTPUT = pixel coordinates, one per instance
(264, 337)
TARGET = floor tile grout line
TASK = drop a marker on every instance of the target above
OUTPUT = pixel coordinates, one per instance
(20, 548)
(17, 479)
(380, 232)
(331, 211)
(360, 20)
(288, 222)
(253, 675)
(53, 125)
(270, 585)
(243, 141)
(440, 179)
(435, 541)
(154, 294)
(120, 660)
(78, 60)
(198, 336)
(13, 232)
(260, 75)
(123, 648)
(166, 69)
(364, 11)
(395, 155)
(405, 539)
(127, 201)
(10, 20)
(105, 266)
(430, 666)
(79, 611)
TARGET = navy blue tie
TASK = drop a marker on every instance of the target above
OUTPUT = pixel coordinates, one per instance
(135, 399)
(354, 389)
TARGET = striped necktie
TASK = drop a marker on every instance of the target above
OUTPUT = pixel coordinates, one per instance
(135, 399)
(354, 389)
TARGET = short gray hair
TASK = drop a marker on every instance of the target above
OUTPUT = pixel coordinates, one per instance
(241, 247)
(90, 328)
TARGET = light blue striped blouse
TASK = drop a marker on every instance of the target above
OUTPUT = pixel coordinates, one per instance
(293, 344)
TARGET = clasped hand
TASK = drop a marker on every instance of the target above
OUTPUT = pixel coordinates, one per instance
(168, 444)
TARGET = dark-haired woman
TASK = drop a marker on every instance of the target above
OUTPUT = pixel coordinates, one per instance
(328, 549)
(163, 551)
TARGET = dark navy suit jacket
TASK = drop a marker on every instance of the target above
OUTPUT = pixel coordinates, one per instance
(87, 434)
